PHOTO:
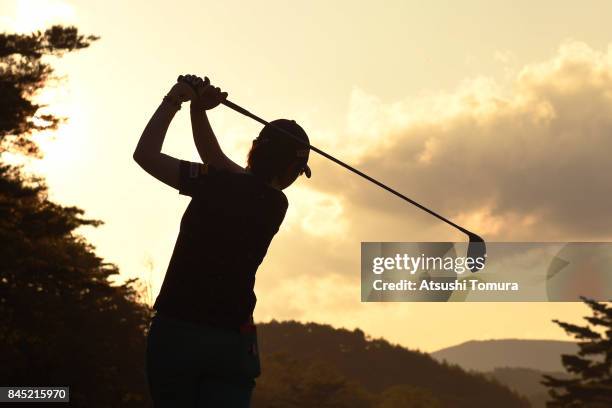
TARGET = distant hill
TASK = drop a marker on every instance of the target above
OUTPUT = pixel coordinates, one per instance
(526, 382)
(390, 375)
(543, 355)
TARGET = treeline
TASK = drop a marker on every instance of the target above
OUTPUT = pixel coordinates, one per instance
(61, 320)
(372, 372)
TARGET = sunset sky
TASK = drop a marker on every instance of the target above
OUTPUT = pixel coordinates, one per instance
(496, 114)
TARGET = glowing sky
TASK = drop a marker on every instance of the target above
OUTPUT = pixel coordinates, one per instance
(497, 114)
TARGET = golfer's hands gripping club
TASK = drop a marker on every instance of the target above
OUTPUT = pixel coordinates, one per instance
(206, 96)
(182, 92)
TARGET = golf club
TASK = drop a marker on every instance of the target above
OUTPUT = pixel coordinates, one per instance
(476, 246)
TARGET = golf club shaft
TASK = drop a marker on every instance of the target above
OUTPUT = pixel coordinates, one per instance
(245, 112)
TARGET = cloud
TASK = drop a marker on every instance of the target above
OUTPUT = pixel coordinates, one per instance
(526, 160)
(505, 56)
(316, 213)
(522, 160)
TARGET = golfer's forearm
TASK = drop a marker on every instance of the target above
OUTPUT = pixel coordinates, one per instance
(205, 140)
(152, 138)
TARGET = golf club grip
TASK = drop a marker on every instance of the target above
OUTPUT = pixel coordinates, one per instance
(243, 111)
(227, 103)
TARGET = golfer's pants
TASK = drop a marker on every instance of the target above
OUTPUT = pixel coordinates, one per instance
(193, 366)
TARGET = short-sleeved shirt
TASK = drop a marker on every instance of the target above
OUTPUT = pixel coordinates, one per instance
(224, 235)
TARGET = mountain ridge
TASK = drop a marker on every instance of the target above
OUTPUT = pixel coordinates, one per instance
(487, 355)
(378, 366)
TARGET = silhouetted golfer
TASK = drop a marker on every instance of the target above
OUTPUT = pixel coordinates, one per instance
(202, 343)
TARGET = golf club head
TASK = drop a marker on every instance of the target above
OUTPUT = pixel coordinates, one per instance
(476, 249)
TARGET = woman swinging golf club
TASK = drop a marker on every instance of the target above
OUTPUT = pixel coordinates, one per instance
(202, 343)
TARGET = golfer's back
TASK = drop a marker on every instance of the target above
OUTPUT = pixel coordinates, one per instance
(224, 236)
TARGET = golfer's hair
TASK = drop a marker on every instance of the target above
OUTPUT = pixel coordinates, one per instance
(268, 160)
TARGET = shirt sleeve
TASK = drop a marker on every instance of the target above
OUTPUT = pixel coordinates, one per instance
(192, 176)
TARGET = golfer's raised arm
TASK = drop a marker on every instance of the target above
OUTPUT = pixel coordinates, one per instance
(203, 135)
(204, 138)
(148, 151)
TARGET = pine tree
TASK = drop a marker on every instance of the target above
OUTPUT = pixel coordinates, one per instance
(62, 322)
(23, 72)
(591, 382)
